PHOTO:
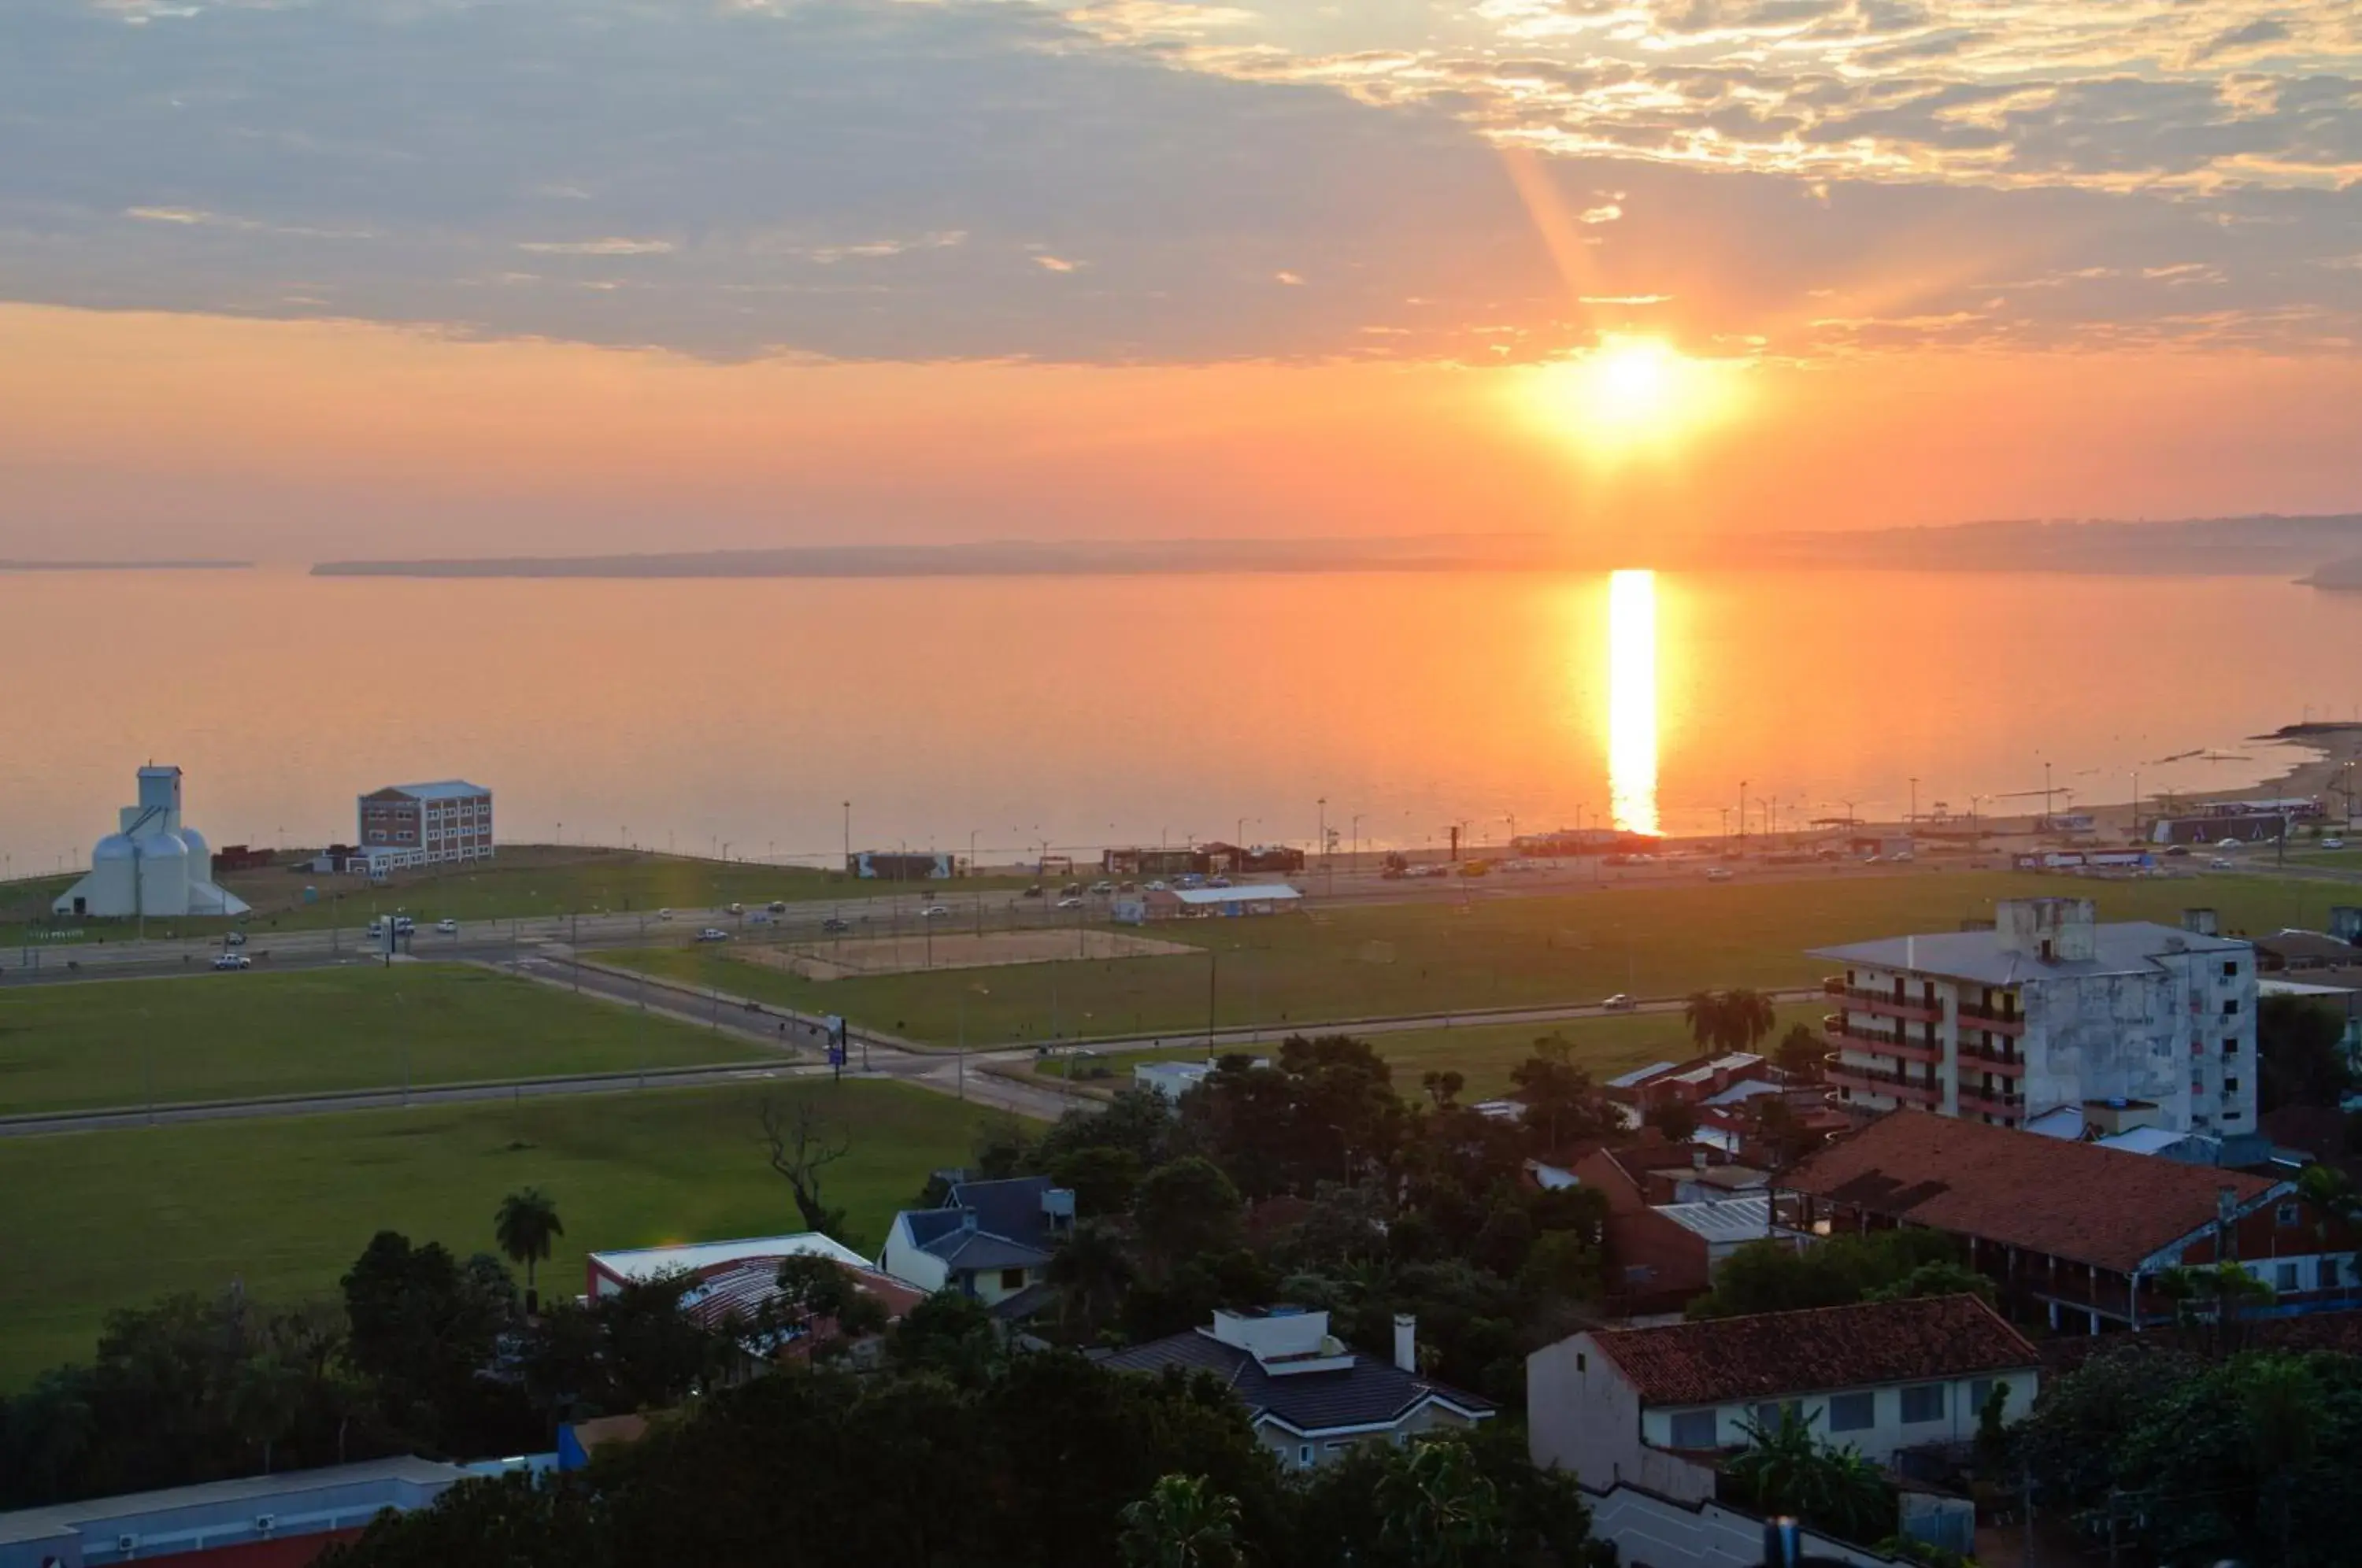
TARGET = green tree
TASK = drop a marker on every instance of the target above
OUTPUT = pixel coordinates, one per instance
(1677, 1122)
(1182, 1523)
(1785, 1470)
(1563, 1107)
(1437, 1507)
(1802, 1052)
(525, 1227)
(2300, 1054)
(2211, 1304)
(1102, 1176)
(1747, 1017)
(1090, 1272)
(813, 1287)
(1938, 1277)
(1702, 1015)
(1777, 1277)
(1185, 1208)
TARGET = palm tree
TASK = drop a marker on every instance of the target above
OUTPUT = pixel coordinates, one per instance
(1090, 1272)
(1786, 1470)
(1437, 1506)
(1747, 1017)
(525, 1226)
(1182, 1523)
(1701, 1012)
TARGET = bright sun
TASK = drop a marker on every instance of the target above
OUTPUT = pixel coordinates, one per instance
(1632, 394)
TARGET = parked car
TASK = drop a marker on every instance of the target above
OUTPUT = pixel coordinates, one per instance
(2218, 864)
(778, 906)
(834, 926)
(1219, 882)
(2177, 851)
(1900, 854)
(2333, 844)
(935, 912)
(1071, 902)
(447, 927)
(713, 933)
(1619, 1002)
(232, 961)
(1103, 888)
(1717, 873)
(737, 908)
(1032, 892)
(2227, 844)
(235, 939)
(1159, 888)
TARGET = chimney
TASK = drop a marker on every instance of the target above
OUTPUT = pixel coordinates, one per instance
(1406, 1342)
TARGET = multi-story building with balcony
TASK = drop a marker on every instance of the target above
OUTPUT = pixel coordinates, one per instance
(2130, 1024)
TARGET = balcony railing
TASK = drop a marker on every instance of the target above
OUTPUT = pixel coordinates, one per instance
(1892, 1086)
(1989, 1019)
(2006, 1063)
(1839, 1033)
(1886, 1004)
(1991, 1102)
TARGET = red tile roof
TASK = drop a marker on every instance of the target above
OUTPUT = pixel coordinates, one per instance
(2072, 1200)
(1775, 1355)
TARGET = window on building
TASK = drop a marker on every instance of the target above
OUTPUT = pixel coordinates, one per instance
(2230, 1086)
(1303, 1456)
(1852, 1412)
(2231, 1007)
(2231, 1045)
(1582, 1361)
(1693, 1429)
(2325, 1276)
(1013, 1279)
(2284, 1277)
(1923, 1402)
(2231, 968)
(2286, 1214)
(1980, 1390)
(1768, 1416)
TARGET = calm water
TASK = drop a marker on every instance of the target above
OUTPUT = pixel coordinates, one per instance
(1119, 710)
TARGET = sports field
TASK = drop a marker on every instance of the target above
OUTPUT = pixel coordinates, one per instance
(1380, 960)
(228, 1037)
(95, 1221)
(1482, 1054)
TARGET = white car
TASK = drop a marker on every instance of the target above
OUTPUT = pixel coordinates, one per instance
(1158, 887)
(447, 927)
(2218, 864)
(1103, 888)
(1619, 1002)
(940, 912)
(232, 961)
(2333, 844)
(1717, 873)
(2226, 844)
(664, 915)
(377, 928)
(713, 933)
(235, 939)
(1070, 902)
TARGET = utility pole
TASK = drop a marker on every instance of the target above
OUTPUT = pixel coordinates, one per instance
(1912, 820)
(848, 832)
(1742, 811)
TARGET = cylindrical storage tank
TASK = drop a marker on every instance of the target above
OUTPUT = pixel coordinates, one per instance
(109, 891)
(164, 874)
(200, 854)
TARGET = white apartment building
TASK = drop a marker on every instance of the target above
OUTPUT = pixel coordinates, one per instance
(2130, 1024)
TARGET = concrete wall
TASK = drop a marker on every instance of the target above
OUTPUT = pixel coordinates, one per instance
(919, 1269)
(1657, 1533)
(1582, 1416)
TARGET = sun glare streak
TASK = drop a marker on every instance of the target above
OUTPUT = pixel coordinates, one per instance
(1632, 699)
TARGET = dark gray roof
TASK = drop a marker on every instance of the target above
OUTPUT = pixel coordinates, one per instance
(1366, 1394)
(1035, 1297)
(2122, 947)
(1009, 1229)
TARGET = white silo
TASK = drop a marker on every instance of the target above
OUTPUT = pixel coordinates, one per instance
(110, 890)
(163, 874)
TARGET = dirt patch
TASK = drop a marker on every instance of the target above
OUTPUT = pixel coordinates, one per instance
(953, 950)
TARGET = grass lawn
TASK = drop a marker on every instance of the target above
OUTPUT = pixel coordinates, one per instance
(214, 1036)
(1375, 960)
(526, 881)
(1482, 1054)
(95, 1222)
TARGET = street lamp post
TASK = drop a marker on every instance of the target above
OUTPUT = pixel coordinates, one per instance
(1742, 811)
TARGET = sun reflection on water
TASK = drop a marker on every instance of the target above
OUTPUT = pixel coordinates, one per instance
(1632, 699)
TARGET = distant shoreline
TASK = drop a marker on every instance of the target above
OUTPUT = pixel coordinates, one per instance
(2220, 546)
(126, 566)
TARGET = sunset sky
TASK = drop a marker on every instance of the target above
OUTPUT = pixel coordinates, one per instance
(403, 277)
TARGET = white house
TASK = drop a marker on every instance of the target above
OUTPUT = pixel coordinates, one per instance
(990, 1240)
(1651, 1406)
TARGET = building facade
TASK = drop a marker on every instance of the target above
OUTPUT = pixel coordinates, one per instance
(990, 1240)
(154, 864)
(1650, 1406)
(2048, 1008)
(425, 824)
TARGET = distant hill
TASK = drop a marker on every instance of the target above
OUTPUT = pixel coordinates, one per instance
(2259, 546)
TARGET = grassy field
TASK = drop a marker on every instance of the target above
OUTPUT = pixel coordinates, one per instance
(1482, 1054)
(228, 1037)
(525, 882)
(96, 1221)
(1376, 960)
